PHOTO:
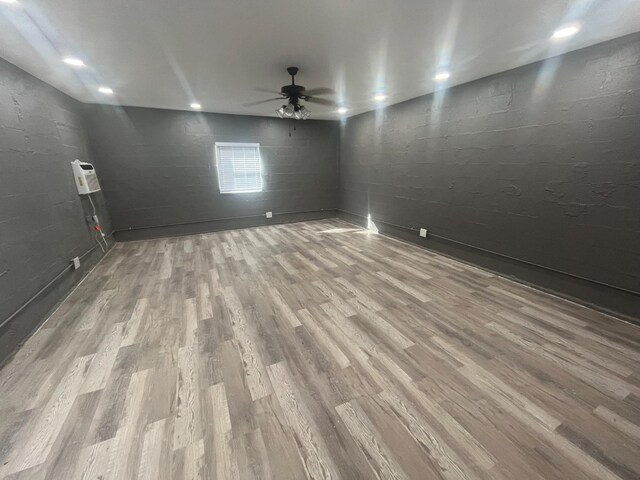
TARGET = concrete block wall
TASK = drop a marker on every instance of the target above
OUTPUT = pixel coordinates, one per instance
(42, 217)
(158, 168)
(539, 164)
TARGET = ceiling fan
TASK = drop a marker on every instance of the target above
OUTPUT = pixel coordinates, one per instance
(294, 93)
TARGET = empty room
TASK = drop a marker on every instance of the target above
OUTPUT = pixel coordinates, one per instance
(341, 239)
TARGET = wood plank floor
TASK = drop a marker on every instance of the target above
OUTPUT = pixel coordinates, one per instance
(317, 350)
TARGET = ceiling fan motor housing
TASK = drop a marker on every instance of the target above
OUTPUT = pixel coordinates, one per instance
(294, 92)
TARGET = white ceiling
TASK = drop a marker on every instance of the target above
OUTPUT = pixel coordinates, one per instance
(168, 53)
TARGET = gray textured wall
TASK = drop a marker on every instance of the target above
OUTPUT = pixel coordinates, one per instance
(541, 163)
(157, 166)
(42, 217)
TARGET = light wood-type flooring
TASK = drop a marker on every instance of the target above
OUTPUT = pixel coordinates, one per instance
(317, 350)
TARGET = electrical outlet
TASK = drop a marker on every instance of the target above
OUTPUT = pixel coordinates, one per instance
(269, 214)
(76, 263)
(423, 232)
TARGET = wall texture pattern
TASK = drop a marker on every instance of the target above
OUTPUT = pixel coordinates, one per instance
(42, 217)
(158, 167)
(541, 163)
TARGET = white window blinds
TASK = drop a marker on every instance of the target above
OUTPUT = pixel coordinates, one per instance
(239, 167)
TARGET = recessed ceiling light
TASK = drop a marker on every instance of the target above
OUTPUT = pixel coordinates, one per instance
(196, 106)
(105, 90)
(566, 31)
(76, 62)
(342, 110)
(9, 1)
(441, 76)
(379, 97)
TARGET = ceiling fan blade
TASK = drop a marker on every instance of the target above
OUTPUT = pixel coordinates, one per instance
(320, 91)
(321, 101)
(262, 101)
(266, 90)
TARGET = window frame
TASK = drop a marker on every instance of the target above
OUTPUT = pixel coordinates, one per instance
(218, 161)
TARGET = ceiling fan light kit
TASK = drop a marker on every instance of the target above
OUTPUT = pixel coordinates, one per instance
(294, 93)
(301, 112)
(285, 111)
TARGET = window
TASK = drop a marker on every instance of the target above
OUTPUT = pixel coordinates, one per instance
(239, 168)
